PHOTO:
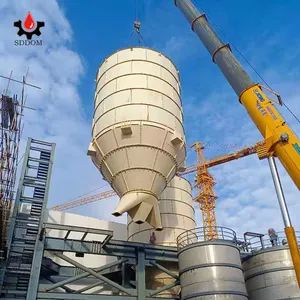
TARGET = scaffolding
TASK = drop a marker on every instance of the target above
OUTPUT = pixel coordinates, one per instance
(11, 127)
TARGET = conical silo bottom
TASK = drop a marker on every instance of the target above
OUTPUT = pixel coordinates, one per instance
(141, 207)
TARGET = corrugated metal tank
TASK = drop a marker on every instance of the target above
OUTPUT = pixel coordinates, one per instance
(270, 275)
(138, 140)
(178, 215)
(210, 270)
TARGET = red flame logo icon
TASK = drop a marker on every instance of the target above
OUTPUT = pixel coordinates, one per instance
(29, 26)
(29, 23)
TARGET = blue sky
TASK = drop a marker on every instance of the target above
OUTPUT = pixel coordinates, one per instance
(78, 37)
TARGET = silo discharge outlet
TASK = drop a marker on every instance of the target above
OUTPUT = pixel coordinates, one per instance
(141, 207)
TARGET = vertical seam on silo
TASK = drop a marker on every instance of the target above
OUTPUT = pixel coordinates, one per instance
(147, 83)
(141, 127)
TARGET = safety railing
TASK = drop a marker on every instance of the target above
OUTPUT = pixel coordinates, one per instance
(264, 241)
(204, 234)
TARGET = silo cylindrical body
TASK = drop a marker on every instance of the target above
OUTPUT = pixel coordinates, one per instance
(270, 275)
(211, 270)
(138, 140)
(178, 215)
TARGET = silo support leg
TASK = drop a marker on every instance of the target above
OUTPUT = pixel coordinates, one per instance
(140, 275)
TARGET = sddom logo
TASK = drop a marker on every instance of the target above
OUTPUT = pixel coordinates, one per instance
(29, 28)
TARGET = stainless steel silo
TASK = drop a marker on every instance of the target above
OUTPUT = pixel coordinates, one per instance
(210, 270)
(269, 272)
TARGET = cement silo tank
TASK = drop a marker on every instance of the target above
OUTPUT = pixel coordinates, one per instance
(210, 270)
(270, 275)
(138, 140)
(178, 215)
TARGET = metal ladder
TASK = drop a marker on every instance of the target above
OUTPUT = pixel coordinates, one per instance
(25, 233)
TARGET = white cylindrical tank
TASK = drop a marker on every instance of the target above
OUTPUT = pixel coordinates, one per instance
(178, 215)
(138, 140)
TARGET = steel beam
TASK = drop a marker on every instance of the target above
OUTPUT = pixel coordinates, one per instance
(88, 287)
(113, 248)
(83, 275)
(163, 269)
(140, 275)
(68, 290)
(40, 241)
(165, 288)
(62, 296)
(77, 229)
(92, 272)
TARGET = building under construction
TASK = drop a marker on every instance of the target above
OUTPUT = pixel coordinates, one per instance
(139, 146)
(11, 110)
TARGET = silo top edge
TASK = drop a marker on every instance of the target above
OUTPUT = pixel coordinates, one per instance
(185, 180)
(207, 243)
(138, 47)
(266, 250)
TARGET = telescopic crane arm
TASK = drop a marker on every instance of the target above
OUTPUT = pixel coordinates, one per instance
(280, 140)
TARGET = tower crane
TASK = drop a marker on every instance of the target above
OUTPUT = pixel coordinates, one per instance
(83, 201)
(204, 182)
(279, 139)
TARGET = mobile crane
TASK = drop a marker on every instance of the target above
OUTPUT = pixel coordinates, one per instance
(279, 139)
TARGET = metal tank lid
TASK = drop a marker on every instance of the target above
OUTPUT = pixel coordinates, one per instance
(137, 47)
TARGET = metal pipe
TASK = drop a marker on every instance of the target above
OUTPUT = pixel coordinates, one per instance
(221, 53)
(92, 272)
(279, 192)
(289, 229)
(68, 290)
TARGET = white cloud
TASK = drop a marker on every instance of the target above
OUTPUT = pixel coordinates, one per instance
(59, 116)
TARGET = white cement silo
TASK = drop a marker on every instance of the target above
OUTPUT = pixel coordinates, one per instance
(177, 213)
(138, 140)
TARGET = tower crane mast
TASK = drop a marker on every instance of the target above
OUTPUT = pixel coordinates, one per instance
(279, 139)
(206, 196)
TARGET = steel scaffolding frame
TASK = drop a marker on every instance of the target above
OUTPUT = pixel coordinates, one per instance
(11, 127)
(21, 268)
(128, 254)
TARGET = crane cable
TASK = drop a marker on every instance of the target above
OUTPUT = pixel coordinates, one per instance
(137, 24)
(247, 61)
